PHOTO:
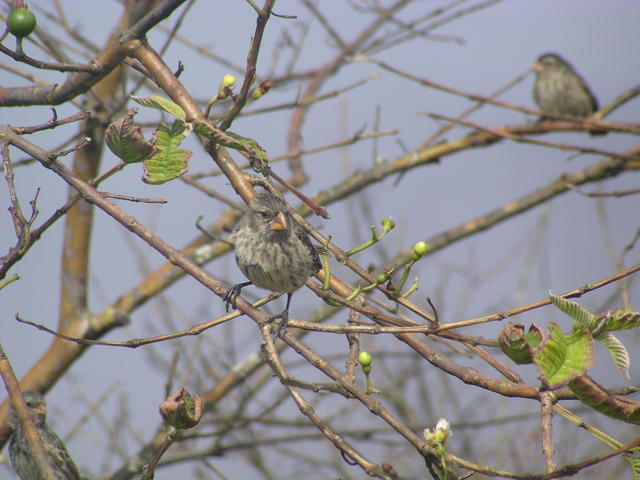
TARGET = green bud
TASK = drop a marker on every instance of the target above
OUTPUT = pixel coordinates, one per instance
(382, 278)
(256, 94)
(438, 436)
(227, 81)
(420, 249)
(261, 89)
(387, 225)
(365, 358)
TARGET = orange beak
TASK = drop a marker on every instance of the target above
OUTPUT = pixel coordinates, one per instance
(537, 67)
(279, 223)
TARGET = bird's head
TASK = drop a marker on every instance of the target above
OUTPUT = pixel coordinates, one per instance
(269, 215)
(36, 405)
(548, 63)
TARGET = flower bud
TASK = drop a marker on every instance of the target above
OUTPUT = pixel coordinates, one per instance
(420, 249)
(387, 225)
(227, 81)
(383, 277)
(261, 89)
(365, 358)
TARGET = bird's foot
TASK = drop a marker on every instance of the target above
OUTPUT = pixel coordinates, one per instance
(279, 321)
(232, 294)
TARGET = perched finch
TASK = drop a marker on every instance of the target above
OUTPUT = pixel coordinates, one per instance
(20, 451)
(272, 250)
(559, 89)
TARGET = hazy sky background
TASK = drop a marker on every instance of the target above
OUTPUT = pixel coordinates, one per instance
(600, 39)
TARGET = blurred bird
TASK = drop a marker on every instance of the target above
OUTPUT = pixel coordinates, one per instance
(20, 451)
(272, 250)
(559, 89)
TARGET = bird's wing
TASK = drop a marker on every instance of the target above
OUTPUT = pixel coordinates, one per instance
(314, 251)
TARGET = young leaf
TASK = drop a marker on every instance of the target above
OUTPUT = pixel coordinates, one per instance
(517, 344)
(618, 353)
(620, 319)
(170, 161)
(232, 140)
(160, 103)
(124, 138)
(602, 400)
(575, 311)
(562, 358)
(634, 464)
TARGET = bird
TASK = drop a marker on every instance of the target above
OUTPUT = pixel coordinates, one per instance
(272, 251)
(20, 451)
(559, 89)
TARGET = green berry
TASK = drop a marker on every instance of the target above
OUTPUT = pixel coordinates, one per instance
(420, 249)
(21, 22)
(382, 278)
(365, 358)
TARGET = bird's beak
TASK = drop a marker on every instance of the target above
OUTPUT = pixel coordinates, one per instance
(537, 67)
(40, 410)
(279, 223)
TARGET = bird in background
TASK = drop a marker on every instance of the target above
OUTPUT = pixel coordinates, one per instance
(20, 451)
(272, 250)
(559, 89)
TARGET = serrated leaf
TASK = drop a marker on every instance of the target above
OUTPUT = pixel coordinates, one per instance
(513, 343)
(562, 358)
(602, 400)
(125, 139)
(517, 344)
(634, 463)
(170, 161)
(618, 353)
(163, 104)
(232, 140)
(534, 336)
(576, 311)
(620, 319)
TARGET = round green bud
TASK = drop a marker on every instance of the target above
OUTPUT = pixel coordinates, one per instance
(365, 358)
(382, 278)
(21, 22)
(420, 249)
(228, 80)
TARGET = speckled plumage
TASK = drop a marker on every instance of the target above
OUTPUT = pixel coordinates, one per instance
(20, 452)
(559, 89)
(271, 249)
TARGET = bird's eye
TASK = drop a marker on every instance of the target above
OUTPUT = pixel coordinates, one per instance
(264, 215)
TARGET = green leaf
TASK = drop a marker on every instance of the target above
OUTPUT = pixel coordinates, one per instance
(232, 140)
(517, 344)
(125, 139)
(618, 353)
(634, 463)
(562, 358)
(170, 161)
(163, 104)
(576, 311)
(602, 400)
(620, 319)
